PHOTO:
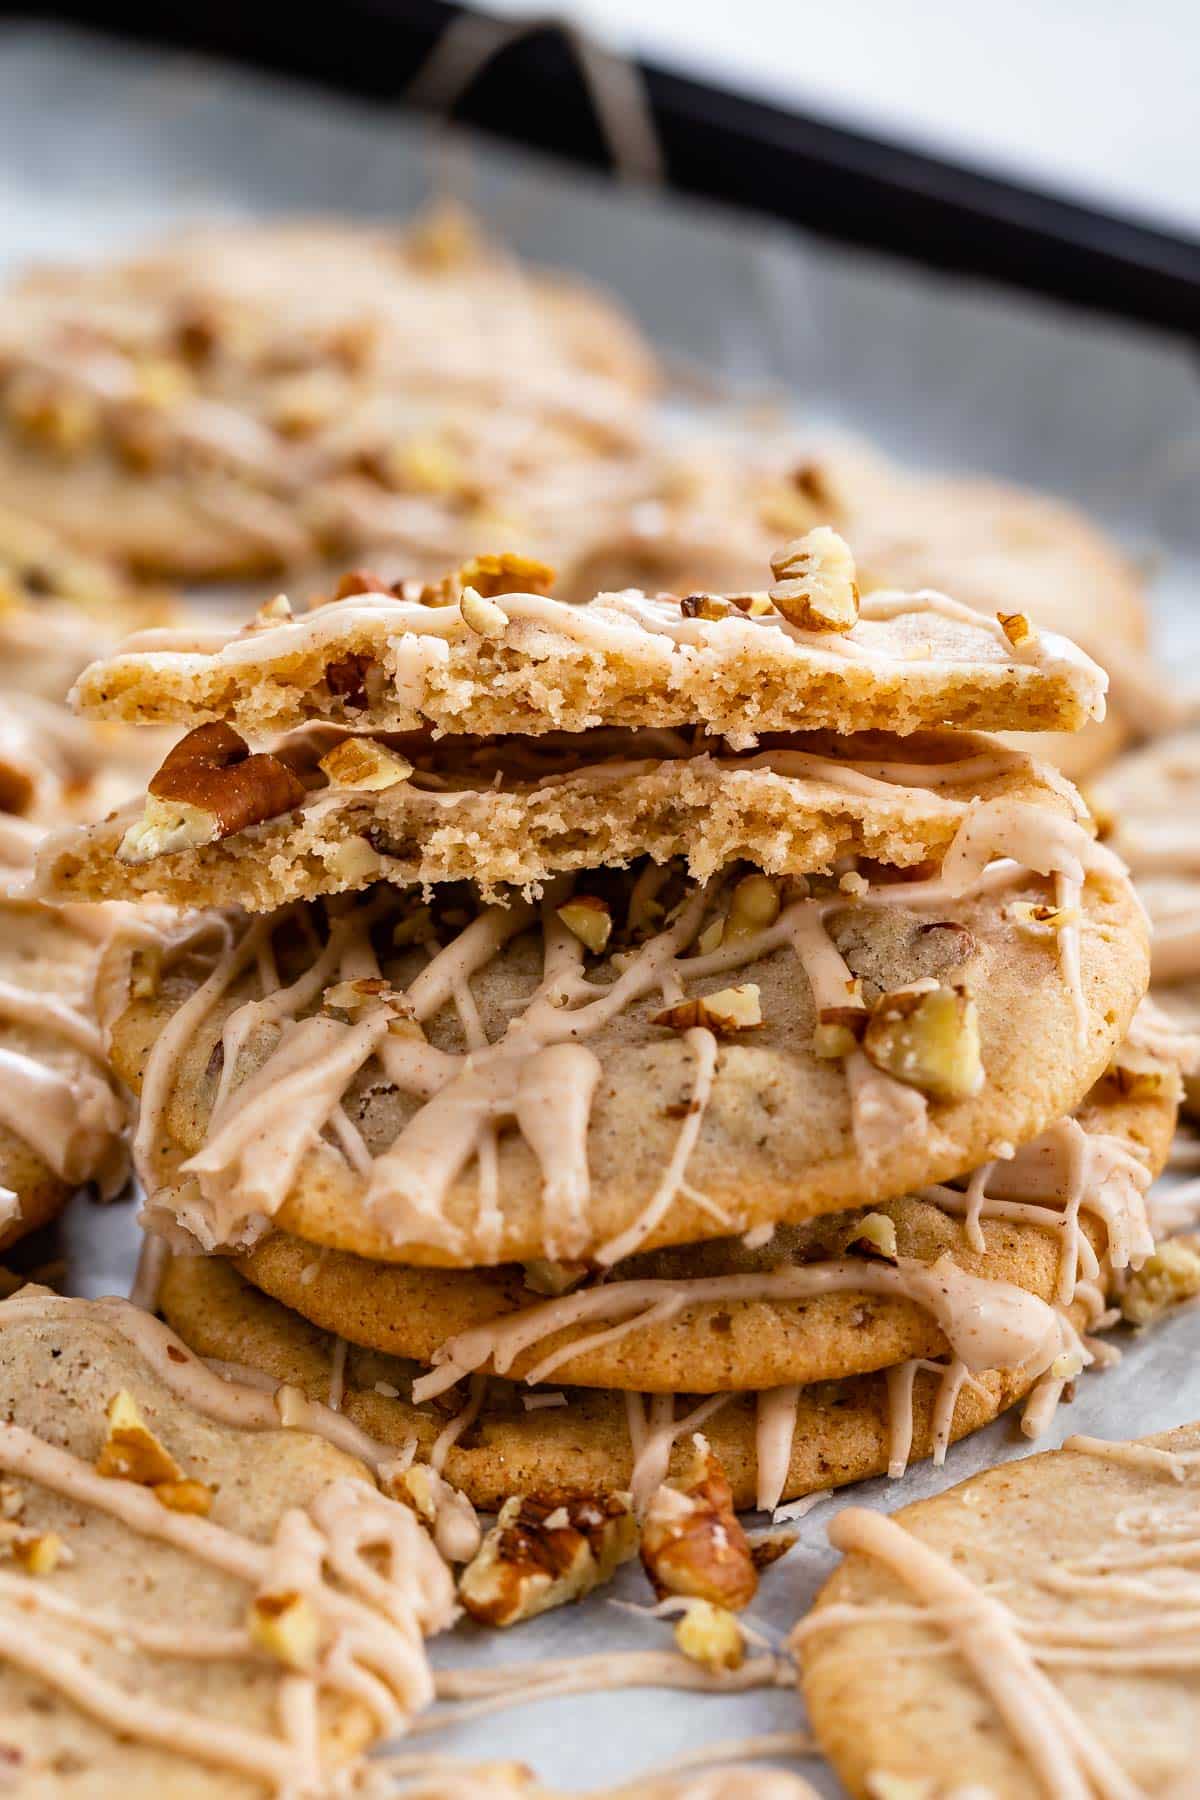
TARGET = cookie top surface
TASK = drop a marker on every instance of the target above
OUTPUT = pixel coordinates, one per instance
(515, 812)
(144, 1649)
(246, 397)
(532, 664)
(683, 1107)
(63, 1121)
(718, 1316)
(568, 1443)
(1045, 1576)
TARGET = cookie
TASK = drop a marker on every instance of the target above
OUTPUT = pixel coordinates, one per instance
(60, 609)
(518, 811)
(1149, 804)
(638, 1123)
(754, 1340)
(164, 1563)
(580, 1446)
(55, 767)
(243, 398)
(1042, 1580)
(531, 664)
(62, 1117)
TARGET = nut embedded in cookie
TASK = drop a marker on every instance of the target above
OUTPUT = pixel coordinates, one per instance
(209, 787)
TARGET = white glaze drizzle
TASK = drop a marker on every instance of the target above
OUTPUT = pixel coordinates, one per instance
(373, 1614)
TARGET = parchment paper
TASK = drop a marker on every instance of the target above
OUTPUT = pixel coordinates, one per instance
(99, 145)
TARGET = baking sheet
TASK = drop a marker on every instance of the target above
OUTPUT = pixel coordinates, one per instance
(100, 144)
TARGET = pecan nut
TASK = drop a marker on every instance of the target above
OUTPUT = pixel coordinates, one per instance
(209, 787)
(816, 586)
(928, 1038)
(727, 1011)
(539, 1555)
(692, 1543)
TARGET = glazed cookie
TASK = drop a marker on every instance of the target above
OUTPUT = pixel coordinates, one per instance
(56, 767)
(1149, 806)
(241, 398)
(62, 1118)
(1065, 1669)
(571, 1444)
(60, 609)
(705, 1074)
(172, 1571)
(324, 813)
(503, 660)
(1181, 1003)
(750, 1333)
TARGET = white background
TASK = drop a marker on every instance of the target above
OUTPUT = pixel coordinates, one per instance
(1095, 99)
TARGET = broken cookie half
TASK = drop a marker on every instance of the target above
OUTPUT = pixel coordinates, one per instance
(324, 812)
(493, 652)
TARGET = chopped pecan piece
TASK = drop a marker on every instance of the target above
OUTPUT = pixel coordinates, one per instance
(209, 787)
(360, 581)
(727, 1011)
(36, 1552)
(359, 762)
(929, 1039)
(588, 917)
(1036, 918)
(815, 586)
(450, 1516)
(276, 611)
(287, 1627)
(711, 1636)
(768, 1547)
(184, 1497)
(838, 1031)
(483, 616)
(538, 1556)
(347, 678)
(755, 606)
(705, 606)
(877, 1231)
(692, 1542)
(1017, 629)
(754, 905)
(131, 1452)
(507, 574)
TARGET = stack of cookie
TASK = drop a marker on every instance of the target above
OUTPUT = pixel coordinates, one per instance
(597, 1021)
